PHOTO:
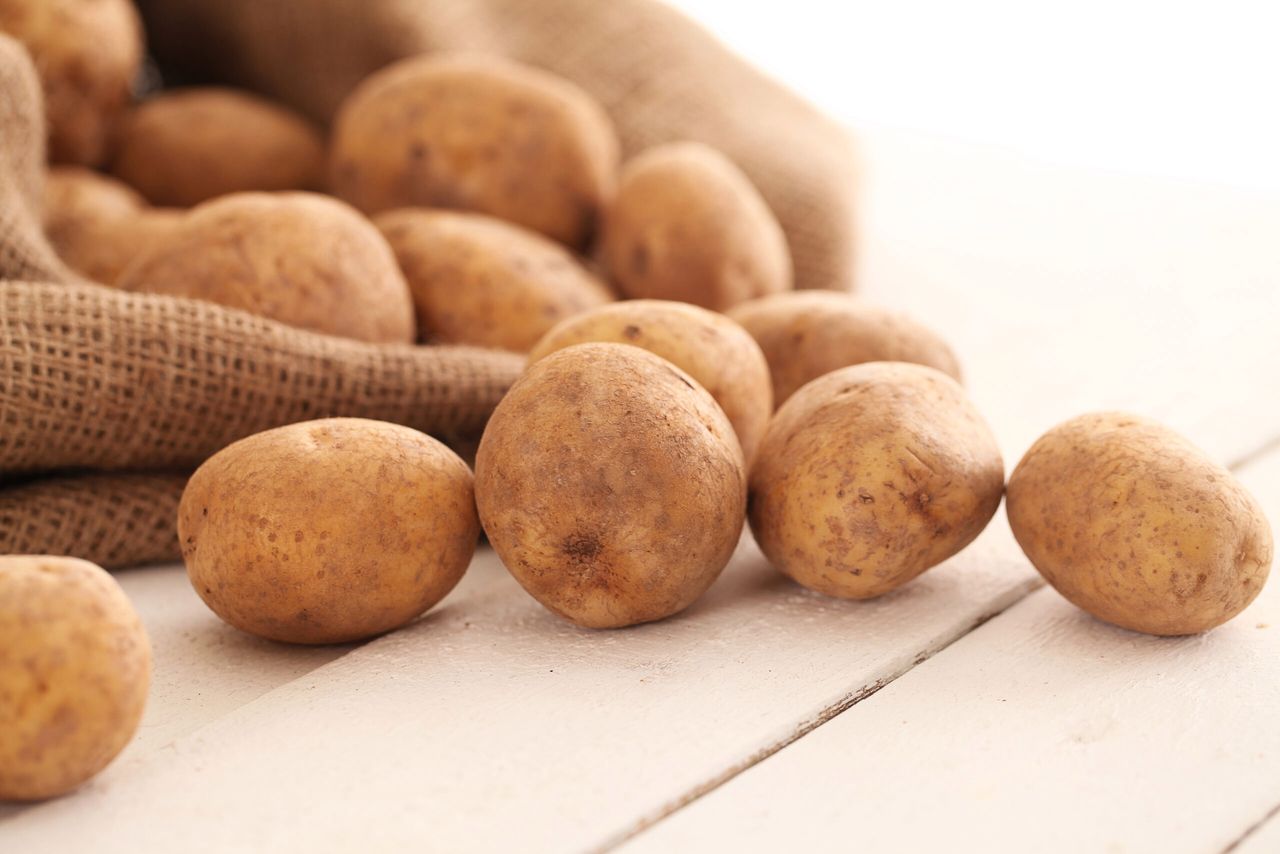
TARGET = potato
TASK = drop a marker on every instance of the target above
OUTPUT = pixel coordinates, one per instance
(687, 225)
(476, 133)
(714, 350)
(327, 531)
(74, 195)
(187, 146)
(478, 280)
(1134, 524)
(102, 250)
(611, 485)
(806, 334)
(97, 224)
(87, 53)
(299, 258)
(75, 667)
(870, 475)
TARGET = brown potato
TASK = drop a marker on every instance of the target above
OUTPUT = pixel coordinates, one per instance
(687, 225)
(299, 258)
(805, 334)
(870, 475)
(104, 249)
(75, 667)
(611, 485)
(97, 224)
(187, 146)
(328, 531)
(714, 350)
(74, 195)
(1134, 524)
(476, 133)
(87, 53)
(478, 280)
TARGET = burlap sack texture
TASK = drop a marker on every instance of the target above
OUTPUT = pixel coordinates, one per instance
(91, 378)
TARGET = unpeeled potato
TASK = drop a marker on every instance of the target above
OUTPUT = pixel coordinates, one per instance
(805, 334)
(870, 475)
(74, 195)
(75, 667)
(87, 53)
(715, 351)
(686, 224)
(327, 531)
(300, 258)
(97, 224)
(186, 146)
(611, 485)
(476, 133)
(1134, 524)
(478, 280)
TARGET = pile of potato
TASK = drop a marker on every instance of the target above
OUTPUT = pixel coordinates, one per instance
(469, 199)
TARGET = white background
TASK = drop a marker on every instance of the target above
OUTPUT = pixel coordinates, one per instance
(1177, 89)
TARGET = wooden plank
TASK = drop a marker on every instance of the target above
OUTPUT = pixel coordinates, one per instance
(1043, 730)
(202, 667)
(489, 724)
(1065, 290)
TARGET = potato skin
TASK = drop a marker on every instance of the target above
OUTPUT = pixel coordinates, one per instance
(1134, 524)
(88, 53)
(97, 224)
(102, 250)
(476, 133)
(75, 194)
(687, 225)
(710, 347)
(327, 531)
(805, 334)
(75, 668)
(478, 280)
(611, 485)
(870, 475)
(300, 258)
(187, 146)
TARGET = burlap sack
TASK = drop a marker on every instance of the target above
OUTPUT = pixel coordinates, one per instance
(91, 378)
(117, 519)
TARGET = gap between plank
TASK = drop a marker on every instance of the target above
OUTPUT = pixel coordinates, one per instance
(1254, 455)
(1252, 829)
(839, 707)
(849, 701)
(1246, 459)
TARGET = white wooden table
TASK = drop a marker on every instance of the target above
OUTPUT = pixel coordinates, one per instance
(972, 710)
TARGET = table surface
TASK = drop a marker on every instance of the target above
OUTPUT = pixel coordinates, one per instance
(973, 709)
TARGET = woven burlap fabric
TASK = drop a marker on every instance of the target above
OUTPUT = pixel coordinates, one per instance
(660, 76)
(95, 378)
(98, 378)
(23, 252)
(117, 519)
